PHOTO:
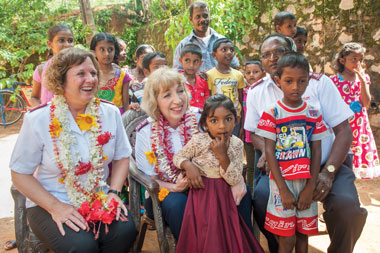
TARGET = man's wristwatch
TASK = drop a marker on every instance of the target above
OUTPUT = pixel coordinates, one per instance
(115, 192)
(331, 169)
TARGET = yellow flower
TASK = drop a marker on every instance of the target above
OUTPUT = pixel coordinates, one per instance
(102, 195)
(162, 194)
(61, 180)
(55, 127)
(105, 158)
(85, 121)
(151, 156)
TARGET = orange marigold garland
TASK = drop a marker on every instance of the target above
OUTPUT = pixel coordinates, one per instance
(162, 194)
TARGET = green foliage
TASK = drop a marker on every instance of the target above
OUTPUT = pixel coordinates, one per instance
(102, 19)
(73, 4)
(20, 37)
(232, 18)
(23, 35)
(129, 35)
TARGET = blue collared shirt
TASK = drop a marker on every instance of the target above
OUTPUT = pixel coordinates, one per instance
(208, 61)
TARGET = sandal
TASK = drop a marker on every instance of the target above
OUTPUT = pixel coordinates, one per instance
(10, 244)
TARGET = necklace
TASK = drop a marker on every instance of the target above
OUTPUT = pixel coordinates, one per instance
(73, 170)
(83, 180)
(162, 145)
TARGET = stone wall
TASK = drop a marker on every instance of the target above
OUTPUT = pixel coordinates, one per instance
(330, 23)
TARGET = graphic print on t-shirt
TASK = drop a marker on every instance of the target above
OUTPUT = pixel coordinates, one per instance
(226, 87)
(292, 144)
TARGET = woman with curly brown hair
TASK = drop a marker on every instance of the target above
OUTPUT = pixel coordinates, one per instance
(60, 162)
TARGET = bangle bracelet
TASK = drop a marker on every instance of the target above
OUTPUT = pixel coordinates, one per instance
(115, 192)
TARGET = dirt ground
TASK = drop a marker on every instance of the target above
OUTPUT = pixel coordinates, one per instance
(369, 192)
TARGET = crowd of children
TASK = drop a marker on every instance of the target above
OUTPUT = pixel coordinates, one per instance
(291, 126)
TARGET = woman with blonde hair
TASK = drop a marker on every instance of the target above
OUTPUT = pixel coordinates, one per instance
(170, 125)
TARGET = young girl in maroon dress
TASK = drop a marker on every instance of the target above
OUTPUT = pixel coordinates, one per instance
(211, 222)
(353, 85)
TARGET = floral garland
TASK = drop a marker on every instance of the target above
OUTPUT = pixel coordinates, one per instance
(162, 146)
(84, 194)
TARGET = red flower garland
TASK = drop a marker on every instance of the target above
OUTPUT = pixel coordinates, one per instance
(187, 127)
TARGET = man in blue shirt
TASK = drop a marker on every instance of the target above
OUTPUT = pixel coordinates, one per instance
(203, 36)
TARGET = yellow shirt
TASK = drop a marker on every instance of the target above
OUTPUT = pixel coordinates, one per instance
(226, 84)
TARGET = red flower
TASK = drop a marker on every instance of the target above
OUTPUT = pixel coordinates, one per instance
(108, 217)
(84, 209)
(104, 138)
(96, 205)
(83, 168)
(113, 204)
(96, 215)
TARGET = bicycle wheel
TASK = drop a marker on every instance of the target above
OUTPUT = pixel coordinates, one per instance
(10, 112)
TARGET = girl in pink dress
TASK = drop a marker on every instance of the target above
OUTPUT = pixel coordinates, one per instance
(353, 85)
(60, 37)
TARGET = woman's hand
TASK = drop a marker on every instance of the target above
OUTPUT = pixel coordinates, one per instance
(193, 175)
(121, 205)
(181, 185)
(238, 191)
(63, 213)
(287, 199)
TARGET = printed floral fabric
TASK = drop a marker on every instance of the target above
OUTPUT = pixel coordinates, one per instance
(113, 89)
(366, 159)
(199, 152)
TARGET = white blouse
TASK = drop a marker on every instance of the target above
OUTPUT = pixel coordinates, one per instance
(33, 152)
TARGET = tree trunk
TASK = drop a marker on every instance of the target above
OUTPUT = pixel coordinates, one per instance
(87, 18)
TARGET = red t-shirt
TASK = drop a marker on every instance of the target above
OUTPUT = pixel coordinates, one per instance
(199, 92)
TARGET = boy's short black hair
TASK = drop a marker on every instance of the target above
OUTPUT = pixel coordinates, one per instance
(213, 102)
(280, 36)
(147, 59)
(191, 48)
(280, 17)
(217, 43)
(198, 4)
(257, 62)
(300, 31)
(293, 60)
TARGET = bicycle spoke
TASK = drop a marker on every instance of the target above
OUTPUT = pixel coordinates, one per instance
(11, 111)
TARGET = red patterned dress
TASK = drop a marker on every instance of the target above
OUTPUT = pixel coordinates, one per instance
(366, 160)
